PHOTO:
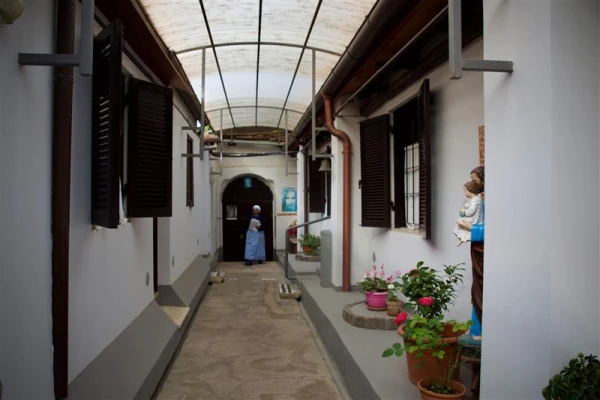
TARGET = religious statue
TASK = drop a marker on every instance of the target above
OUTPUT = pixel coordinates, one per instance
(472, 211)
(476, 230)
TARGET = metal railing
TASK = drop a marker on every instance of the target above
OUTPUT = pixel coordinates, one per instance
(287, 244)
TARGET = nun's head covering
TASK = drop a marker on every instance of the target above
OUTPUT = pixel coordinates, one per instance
(257, 208)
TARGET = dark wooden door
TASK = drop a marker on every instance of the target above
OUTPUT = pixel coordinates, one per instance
(237, 203)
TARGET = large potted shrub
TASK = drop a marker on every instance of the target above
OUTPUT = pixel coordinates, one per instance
(429, 293)
(374, 285)
(579, 380)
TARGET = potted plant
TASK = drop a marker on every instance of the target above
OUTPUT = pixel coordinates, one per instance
(394, 306)
(310, 242)
(429, 354)
(446, 388)
(375, 287)
(430, 293)
(579, 380)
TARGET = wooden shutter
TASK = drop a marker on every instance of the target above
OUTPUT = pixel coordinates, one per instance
(107, 109)
(316, 187)
(423, 99)
(189, 174)
(375, 172)
(150, 150)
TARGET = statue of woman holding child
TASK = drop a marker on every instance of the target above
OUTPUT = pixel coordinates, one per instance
(475, 228)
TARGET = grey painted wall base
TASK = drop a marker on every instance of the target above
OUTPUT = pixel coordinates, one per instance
(354, 379)
(132, 366)
(167, 296)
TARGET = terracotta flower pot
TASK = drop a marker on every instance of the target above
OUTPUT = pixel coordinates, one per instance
(307, 250)
(393, 308)
(428, 366)
(427, 395)
(376, 300)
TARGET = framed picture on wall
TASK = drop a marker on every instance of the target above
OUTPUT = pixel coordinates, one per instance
(231, 212)
(289, 200)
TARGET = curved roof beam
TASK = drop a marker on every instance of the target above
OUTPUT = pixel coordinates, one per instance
(269, 107)
(299, 46)
(304, 46)
(212, 44)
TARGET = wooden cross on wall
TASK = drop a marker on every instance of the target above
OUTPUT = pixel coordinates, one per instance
(481, 145)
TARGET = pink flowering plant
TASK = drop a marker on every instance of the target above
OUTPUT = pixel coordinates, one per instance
(378, 281)
(430, 292)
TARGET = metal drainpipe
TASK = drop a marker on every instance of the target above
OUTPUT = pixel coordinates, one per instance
(384, 13)
(61, 195)
(347, 193)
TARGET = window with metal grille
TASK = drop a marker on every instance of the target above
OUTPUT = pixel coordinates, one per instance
(412, 165)
(189, 174)
(107, 111)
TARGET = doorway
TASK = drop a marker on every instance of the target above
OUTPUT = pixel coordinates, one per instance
(238, 199)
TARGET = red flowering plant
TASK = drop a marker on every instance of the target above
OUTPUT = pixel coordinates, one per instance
(378, 281)
(429, 293)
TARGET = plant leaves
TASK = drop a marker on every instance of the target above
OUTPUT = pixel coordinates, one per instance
(388, 353)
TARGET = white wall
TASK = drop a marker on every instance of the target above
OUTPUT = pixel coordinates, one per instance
(25, 187)
(542, 177)
(271, 169)
(109, 268)
(189, 227)
(457, 112)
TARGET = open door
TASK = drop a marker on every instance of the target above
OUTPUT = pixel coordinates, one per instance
(238, 199)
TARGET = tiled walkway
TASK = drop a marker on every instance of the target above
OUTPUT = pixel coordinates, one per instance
(246, 343)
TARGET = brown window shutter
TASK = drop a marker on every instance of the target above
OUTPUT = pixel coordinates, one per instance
(189, 174)
(316, 187)
(107, 110)
(424, 161)
(375, 172)
(150, 150)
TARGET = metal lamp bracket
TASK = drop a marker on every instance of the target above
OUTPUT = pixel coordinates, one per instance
(456, 62)
(84, 60)
(200, 134)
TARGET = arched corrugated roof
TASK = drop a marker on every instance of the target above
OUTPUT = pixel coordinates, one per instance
(258, 53)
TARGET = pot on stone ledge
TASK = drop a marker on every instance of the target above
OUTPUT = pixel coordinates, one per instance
(393, 308)
(307, 250)
(376, 301)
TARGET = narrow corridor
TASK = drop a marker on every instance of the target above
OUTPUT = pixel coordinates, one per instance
(246, 343)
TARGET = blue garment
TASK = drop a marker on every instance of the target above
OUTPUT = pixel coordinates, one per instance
(255, 246)
(255, 241)
(478, 230)
(476, 328)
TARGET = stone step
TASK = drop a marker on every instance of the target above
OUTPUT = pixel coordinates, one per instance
(217, 277)
(287, 291)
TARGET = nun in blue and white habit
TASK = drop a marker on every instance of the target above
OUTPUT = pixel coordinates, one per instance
(255, 237)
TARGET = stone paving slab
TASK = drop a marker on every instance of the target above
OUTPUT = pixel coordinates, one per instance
(247, 343)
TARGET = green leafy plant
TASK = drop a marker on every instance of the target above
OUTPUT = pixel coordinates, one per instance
(579, 380)
(309, 240)
(427, 283)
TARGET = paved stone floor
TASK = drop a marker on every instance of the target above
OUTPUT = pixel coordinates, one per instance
(246, 343)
